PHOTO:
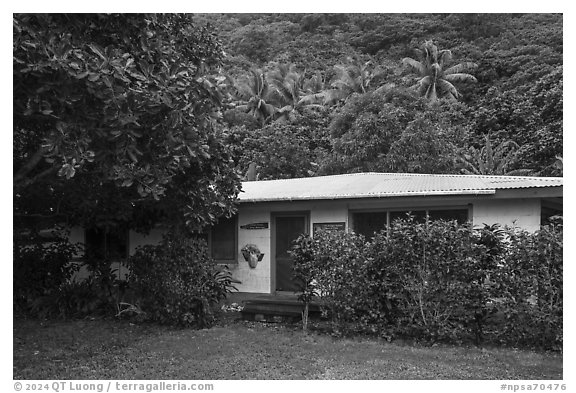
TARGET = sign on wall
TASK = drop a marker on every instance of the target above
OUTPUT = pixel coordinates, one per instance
(255, 225)
(329, 226)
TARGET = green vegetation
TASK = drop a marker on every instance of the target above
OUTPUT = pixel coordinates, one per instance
(177, 282)
(138, 119)
(505, 71)
(102, 349)
(115, 122)
(439, 281)
(126, 121)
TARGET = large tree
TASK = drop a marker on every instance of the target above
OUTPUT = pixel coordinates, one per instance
(255, 95)
(500, 159)
(293, 93)
(115, 112)
(435, 79)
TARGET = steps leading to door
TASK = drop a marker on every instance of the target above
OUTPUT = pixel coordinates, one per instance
(277, 308)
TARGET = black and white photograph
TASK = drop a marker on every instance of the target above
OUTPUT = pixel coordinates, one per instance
(206, 197)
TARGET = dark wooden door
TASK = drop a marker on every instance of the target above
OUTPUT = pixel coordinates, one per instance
(288, 228)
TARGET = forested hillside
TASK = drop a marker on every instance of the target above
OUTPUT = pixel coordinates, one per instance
(151, 117)
(313, 94)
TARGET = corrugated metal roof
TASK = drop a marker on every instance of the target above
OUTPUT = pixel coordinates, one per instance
(379, 185)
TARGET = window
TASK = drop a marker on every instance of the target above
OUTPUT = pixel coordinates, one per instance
(106, 244)
(460, 215)
(368, 223)
(549, 209)
(418, 215)
(223, 241)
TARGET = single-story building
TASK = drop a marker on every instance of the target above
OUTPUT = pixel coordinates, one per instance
(273, 213)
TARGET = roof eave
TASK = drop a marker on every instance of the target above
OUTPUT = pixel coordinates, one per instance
(388, 195)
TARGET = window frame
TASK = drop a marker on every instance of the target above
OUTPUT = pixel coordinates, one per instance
(125, 235)
(210, 242)
(388, 211)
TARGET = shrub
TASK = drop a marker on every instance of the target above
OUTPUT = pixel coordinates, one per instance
(331, 266)
(439, 281)
(430, 279)
(532, 306)
(340, 278)
(176, 282)
(305, 273)
(42, 267)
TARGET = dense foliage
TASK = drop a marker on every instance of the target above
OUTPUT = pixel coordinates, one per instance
(504, 69)
(118, 108)
(439, 281)
(41, 272)
(177, 282)
(128, 120)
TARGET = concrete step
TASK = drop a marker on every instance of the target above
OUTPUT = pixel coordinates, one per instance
(276, 309)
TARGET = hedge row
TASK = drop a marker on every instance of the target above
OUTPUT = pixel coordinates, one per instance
(439, 281)
(175, 282)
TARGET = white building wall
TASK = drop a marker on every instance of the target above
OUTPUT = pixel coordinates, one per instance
(253, 279)
(258, 279)
(329, 212)
(522, 213)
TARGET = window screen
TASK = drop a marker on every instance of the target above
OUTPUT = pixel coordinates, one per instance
(223, 240)
(368, 223)
(460, 215)
(109, 243)
(418, 215)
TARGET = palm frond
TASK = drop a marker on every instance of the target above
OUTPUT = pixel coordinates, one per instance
(311, 99)
(332, 96)
(286, 91)
(267, 110)
(315, 83)
(285, 109)
(431, 92)
(423, 85)
(444, 57)
(418, 66)
(519, 172)
(488, 153)
(479, 160)
(447, 89)
(257, 81)
(244, 108)
(462, 78)
(385, 88)
(460, 68)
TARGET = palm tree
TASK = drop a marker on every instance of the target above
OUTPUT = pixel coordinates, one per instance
(490, 160)
(558, 166)
(292, 92)
(254, 92)
(436, 81)
(355, 76)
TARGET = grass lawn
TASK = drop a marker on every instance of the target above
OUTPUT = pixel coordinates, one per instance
(100, 349)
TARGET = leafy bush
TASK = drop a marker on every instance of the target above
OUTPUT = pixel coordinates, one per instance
(43, 285)
(176, 282)
(430, 280)
(332, 267)
(41, 268)
(305, 272)
(439, 281)
(532, 307)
